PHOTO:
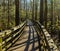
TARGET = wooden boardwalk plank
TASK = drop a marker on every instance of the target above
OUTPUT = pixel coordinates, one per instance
(28, 41)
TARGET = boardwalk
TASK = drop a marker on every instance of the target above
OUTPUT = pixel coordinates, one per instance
(28, 40)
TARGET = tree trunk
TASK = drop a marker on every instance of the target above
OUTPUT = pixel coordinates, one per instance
(41, 12)
(33, 11)
(8, 14)
(45, 14)
(51, 16)
(24, 4)
(36, 7)
(26, 10)
(17, 19)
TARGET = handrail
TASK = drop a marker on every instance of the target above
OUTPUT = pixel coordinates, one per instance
(12, 29)
(46, 38)
(9, 37)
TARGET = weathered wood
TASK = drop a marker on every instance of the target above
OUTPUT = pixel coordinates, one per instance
(0, 43)
(11, 30)
(9, 37)
(27, 42)
(47, 38)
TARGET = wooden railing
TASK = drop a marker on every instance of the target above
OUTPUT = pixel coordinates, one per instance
(46, 42)
(9, 37)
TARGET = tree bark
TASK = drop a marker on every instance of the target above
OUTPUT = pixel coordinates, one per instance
(51, 16)
(33, 11)
(41, 12)
(45, 14)
(26, 10)
(17, 19)
(8, 14)
(36, 7)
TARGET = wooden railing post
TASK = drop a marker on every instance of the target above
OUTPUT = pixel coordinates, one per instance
(0, 43)
(5, 42)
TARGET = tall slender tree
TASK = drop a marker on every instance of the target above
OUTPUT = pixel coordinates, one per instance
(3, 15)
(36, 7)
(17, 19)
(8, 13)
(45, 14)
(20, 8)
(33, 10)
(24, 4)
(51, 15)
(41, 12)
(26, 10)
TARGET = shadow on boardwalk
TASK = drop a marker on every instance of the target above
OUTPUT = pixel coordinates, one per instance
(31, 40)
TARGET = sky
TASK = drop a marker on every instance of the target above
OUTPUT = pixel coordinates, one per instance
(1, 1)
(27, 0)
